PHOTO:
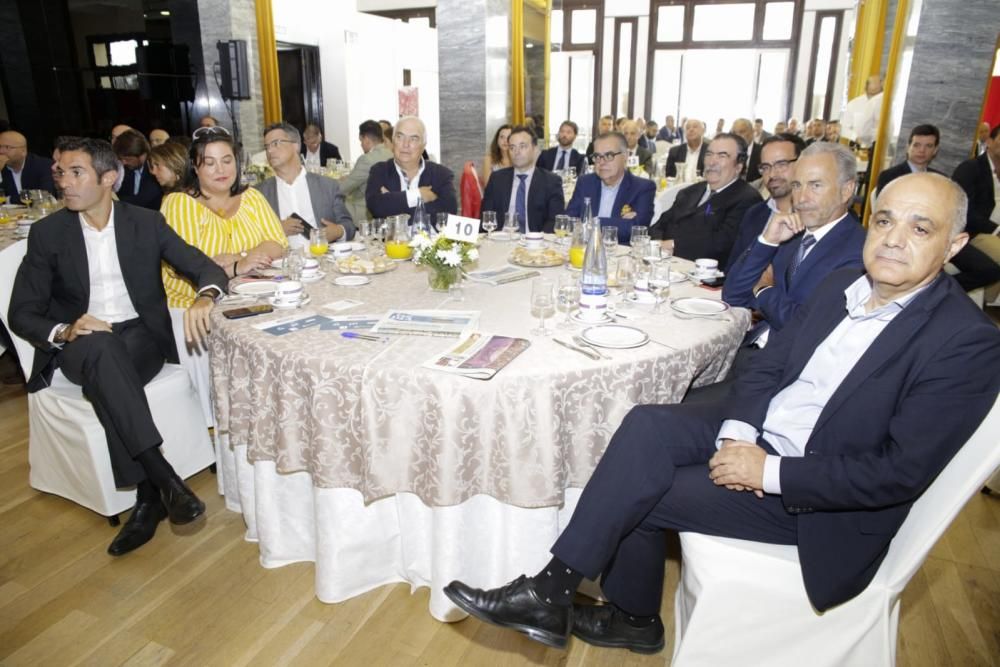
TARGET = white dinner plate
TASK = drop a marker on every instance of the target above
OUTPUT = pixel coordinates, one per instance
(700, 277)
(352, 281)
(281, 305)
(345, 246)
(257, 288)
(615, 336)
(500, 236)
(576, 317)
(698, 306)
(319, 275)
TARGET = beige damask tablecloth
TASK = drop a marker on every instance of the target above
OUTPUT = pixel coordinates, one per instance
(366, 416)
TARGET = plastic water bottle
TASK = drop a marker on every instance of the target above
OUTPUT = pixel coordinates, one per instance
(594, 282)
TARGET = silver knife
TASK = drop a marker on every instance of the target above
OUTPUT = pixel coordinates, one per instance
(582, 351)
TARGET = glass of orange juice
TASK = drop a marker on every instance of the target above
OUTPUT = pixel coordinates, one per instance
(318, 245)
(397, 243)
(578, 246)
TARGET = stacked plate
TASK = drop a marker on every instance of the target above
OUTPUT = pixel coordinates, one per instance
(615, 336)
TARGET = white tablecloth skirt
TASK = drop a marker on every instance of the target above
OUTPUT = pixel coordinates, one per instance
(358, 547)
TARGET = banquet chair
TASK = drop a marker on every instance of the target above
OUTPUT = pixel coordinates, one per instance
(67, 448)
(733, 586)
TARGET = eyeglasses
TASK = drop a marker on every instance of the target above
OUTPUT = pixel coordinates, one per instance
(607, 157)
(779, 165)
(215, 130)
(277, 142)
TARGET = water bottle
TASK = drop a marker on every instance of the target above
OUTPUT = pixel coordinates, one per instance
(421, 220)
(594, 283)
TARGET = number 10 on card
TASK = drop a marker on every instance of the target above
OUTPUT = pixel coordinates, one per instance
(461, 229)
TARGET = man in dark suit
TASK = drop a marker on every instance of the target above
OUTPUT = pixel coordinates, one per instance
(778, 155)
(314, 150)
(139, 187)
(759, 133)
(395, 186)
(705, 217)
(795, 253)
(536, 198)
(616, 196)
(564, 156)
(841, 423)
(648, 138)
(743, 128)
(669, 132)
(22, 170)
(977, 177)
(694, 131)
(604, 125)
(921, 148)
(638, 155)
(89, 296)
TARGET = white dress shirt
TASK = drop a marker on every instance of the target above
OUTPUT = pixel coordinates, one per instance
(793, 412)
(294, 198)
(313, 159)
(995, 215)
(17, 175)
(411, 188)
(608, 196)
(691, 165)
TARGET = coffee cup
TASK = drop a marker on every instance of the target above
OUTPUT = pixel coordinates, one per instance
(310, 267)
(706, 268)
(288, 292)
(340, 250)
(533, 240)
(592, 313)
(642, 293)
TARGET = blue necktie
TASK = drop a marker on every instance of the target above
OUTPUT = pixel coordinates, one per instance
(562, 161)
(135, 187)
(520, 207)
(807, 242)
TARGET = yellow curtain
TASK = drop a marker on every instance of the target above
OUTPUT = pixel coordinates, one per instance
(866, 52)
(270, 88)
(517, 61)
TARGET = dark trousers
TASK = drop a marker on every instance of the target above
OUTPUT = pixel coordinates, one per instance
(113, 369)
(976, 268)
(652, 478)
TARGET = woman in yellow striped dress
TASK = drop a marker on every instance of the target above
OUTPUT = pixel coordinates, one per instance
(234, 226)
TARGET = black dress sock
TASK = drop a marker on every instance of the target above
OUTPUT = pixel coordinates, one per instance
(158, 470)
(557, 582)
(146, 492)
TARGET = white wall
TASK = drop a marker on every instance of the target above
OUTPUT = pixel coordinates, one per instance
(362, 60)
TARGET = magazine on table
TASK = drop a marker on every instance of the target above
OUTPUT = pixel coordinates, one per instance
(428, 322)
(505, 274)
(479, 355)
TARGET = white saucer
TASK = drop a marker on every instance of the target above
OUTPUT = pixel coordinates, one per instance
(699, 307)
(634, 298)
(313, 279)
(257, 288)
(575, 316)
(352, 281)
(615, 336)
(701, 277)
(278, 305)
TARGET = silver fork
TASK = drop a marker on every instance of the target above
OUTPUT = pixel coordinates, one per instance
(579, 340)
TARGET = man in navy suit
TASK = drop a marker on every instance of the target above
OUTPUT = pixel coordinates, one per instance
(921, 148)
(705, 217)
(842, 422)
(395, 186)
(795, 253)
(778, 155)
(978, 177)
(537, 196)
(139, 187)
(617, 197)
(564, 156)
(694, 132)
(22, 170)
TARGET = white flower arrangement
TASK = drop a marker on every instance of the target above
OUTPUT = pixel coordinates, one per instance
(442, 253)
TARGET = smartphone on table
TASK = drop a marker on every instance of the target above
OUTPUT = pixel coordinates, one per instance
(248, 311)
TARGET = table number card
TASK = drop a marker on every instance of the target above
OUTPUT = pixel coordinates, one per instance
(461, 229)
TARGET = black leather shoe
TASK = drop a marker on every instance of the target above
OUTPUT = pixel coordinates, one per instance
(518, 607)
(139, 528)
(181, 503)
(606, 625)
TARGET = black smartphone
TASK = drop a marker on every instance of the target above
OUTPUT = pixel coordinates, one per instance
(714, 283)
(249, 311)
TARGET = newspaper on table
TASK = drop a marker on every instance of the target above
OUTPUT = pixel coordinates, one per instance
(505, 274)
(479, 356)
(428, 322)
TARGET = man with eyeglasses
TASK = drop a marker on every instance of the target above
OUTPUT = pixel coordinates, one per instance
(798, 249)
(534, 195)
(303, 201)
(397, 185)
(316, 151)
(617, 197)
(22, 170)
(705, 217)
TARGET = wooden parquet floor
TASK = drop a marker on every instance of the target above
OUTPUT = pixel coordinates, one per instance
(204, 599)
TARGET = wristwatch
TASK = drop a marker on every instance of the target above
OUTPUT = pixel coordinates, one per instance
(212, 293)
(60, 334)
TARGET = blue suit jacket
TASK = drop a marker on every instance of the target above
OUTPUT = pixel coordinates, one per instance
(393, 202)
(908, 404)
(577, 160)
(150, 194)
(637, 193)
(35, 175)
(840, 248)
(753, 224)
(545, 199)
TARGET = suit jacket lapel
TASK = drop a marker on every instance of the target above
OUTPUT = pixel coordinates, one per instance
(77, 249)
(125, 243)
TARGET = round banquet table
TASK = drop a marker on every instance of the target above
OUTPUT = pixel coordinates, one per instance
(350, 454)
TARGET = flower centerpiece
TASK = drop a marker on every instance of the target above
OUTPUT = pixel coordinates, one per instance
(259, 172)
(444, 257)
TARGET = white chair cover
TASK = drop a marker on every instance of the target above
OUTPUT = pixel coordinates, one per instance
(67, 448)
(741, 601)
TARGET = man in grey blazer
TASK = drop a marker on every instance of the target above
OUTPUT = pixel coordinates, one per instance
(303, 201)
(352, 186)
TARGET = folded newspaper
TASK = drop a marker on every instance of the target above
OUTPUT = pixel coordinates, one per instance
(505, 274)
(428, 322)
(479, 356)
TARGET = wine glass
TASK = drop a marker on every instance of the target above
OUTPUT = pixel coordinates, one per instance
(26, 198)
(610, 238)
(561, 229)
(659, 283)
(567, 296)
(626, 276)
(318, 245)
(542, 304)
(510, 227)
(654, 254)
(489, 222)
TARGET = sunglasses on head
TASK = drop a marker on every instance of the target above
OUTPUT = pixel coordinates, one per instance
(215, 130)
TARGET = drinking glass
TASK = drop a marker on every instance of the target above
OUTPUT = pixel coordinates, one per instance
(542, 304)
(562, 229)
(626, 276)
(292, 266)
(318, 245)
(567, 296)
(578, 246)
(610, 238)
(441, 220)
(654, 254)
(638, 234)
(510, 227)
(489, 222)
(397, 241)
(659, 283)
